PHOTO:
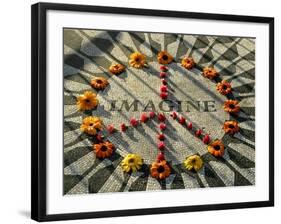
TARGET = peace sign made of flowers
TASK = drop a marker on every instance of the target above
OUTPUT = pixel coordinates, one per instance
(159, 169)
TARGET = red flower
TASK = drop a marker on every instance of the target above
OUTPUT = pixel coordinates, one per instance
(163, 88)
(151, 114)
(163, 68)
(163, 74)
(164, 82)
(110, 129)
(134, 122)
(160, 157)
(163, 95)
(143, 117)
(206, 139)
(161, 145)
(99, 137)
(189, 125)
(161, 136)
(182, 120)
(198, 132)
(123, 127)
(174, 114)
(161, 117)
(162, 126)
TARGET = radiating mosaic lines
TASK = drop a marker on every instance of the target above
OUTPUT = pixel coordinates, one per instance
(209, 176)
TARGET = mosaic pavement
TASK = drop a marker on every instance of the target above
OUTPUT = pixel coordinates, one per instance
(89, 53)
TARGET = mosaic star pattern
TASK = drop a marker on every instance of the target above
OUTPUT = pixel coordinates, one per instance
(89, 53)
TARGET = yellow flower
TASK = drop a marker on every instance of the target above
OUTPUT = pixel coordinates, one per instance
(231, 106)
(117, 69)
(91, 124)
(164, 58)
(210, 72)
(137, 60)
(187, 62)
(224, 87)
(132, 162)
(99, 83)
(193, 162)
(87, 101)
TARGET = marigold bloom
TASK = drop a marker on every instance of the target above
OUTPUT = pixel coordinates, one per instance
(216, 148)
(224, 87)
(137, 60)
(104, 149)
(164, 57)
(99, 83)
(231, 106)
(230, 127)
(160, 169)
(87, 101)
(91, 124)
(210, 72)
(187, 62)
(117, 69)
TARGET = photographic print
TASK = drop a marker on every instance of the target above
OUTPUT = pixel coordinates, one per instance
(157, 111)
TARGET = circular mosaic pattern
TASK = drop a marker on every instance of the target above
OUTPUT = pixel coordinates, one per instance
(90, 53)
(137, 91)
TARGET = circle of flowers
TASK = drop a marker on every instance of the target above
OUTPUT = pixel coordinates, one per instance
(160, 168)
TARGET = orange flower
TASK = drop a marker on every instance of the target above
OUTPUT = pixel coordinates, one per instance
(160, 170)
(87, 101)
(137, 60)
(117, 69)
(230, 127)
(104, 149)
(99, 83)
(224, 87)
(187, 62)
(210, 72)
(90, 125)
(231, 106)
(164, 57)
(216, 148)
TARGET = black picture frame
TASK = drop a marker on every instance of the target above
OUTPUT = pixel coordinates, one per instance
(39, 108)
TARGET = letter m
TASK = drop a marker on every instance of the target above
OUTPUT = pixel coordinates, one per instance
(127, 106)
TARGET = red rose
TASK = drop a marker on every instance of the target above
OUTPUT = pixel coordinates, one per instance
(163, 68)
(198, 132)
(162, 126)
(143, 117)
(99, 137)
(110, 129)
(174, 114)
(163, 88)
(163, 95)
(123, 127)
(161, 136)
(163, 74)
(161, 117)
(134, 122)
(160, 157)
(182, 120)
(151, 114)
(161, 145)
(164, 82)
(206, 139)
